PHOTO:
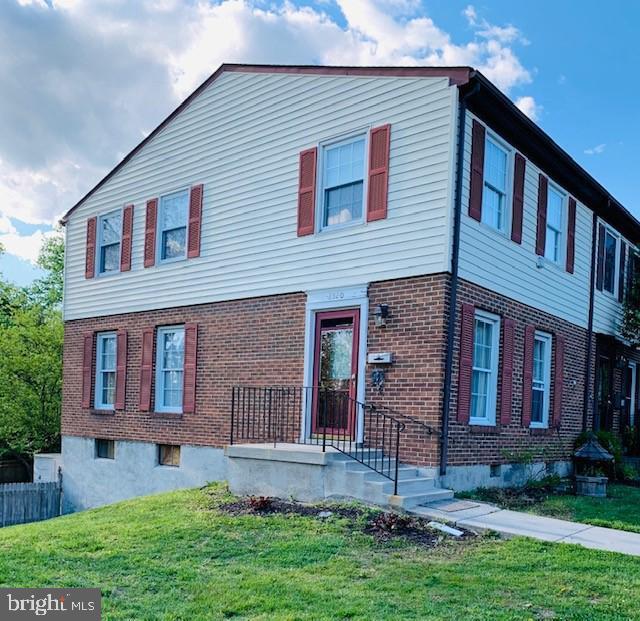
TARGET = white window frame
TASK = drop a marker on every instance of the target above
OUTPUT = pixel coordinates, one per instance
(562, 250)
(320, 187)
(159, 392)
(100, 338)
(100, 243)
(160, 230)
(547, 339)
(616, 262)
(492, 395)
(508, 194)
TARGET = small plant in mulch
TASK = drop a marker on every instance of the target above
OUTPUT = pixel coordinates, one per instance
(259, 503)
(387, 526)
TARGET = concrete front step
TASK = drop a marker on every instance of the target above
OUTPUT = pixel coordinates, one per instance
(414, 485)
(409, 501)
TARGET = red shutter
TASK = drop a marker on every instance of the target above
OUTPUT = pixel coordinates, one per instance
(146, 369)
(518, 198)
(90, 257)
(623, 263)
(558, 380)
(466, 362)
(378, 191)
(477, 170)
(121, 369)
(195, 221)
(127, 233)
(508, 329)
(571, 235)
(307, 191)
(190, 360)
(527, 375)
(541, 234)
(87, 368)
(150, 233)
(600, 268)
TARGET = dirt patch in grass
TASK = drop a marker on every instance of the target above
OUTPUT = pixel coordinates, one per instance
(383, 526)
(522, 498)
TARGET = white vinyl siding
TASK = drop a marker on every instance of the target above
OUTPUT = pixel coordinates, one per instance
(495, 190)
(484, 377)
(169, 369)
(541, 386)
(241, 138)
(342, 176)
(109, 234)
(105, 382)
(497, 263)
(554, 239)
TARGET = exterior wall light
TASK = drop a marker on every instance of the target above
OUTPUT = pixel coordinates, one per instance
(381, 314)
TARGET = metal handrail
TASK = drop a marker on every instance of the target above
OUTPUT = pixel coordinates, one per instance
(368, 433)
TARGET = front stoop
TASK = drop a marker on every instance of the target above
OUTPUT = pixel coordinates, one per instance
(306, 473)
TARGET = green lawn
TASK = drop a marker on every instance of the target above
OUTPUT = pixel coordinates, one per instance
(620, 510)
(176, 556)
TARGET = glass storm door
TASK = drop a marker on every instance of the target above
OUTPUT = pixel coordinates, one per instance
(335, 372)
(631, 390)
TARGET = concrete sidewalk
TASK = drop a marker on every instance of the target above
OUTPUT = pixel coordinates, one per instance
(482, 517)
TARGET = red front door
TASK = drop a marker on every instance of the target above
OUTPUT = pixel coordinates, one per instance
(335, 372)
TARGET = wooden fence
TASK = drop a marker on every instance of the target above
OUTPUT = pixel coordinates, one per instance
(29, 502)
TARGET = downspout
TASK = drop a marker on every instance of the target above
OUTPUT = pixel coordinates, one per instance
(453, 297)
(592, 288)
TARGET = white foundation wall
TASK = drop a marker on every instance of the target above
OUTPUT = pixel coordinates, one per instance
(91, 482)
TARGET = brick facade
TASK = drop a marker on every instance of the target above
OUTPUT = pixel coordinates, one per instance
(260, 342)
(470, 444)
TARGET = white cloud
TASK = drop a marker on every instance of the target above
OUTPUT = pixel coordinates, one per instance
(528, 105)
(26, 247)
(108, 71)
(597, 150)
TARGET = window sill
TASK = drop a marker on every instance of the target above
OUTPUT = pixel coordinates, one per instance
(541, 431)
(486, 429)
(98, 412)
(167, 415)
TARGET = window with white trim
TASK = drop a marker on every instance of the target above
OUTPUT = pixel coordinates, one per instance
(173, 213)
(484, 378)
(610, 261)
(554, 232)
(109, 233)
(494, 194)
(169, 369)
(106, 349)
(343, 181)
(541, 386)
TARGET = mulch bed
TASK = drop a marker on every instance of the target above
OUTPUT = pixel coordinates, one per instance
(383, 526)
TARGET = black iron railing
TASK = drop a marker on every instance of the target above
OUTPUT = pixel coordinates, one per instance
(368, 433)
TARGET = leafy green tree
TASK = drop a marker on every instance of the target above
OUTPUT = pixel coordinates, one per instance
(47, 290)
(630, 328)
(31, 332)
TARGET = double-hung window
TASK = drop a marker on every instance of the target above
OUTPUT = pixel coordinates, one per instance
(169, 369)
(494, 194)
(541, 379)
(105, 393)
(109, 232)
(484, 379)
(343, 181)
(610, 261)
(553, 240)
(172, 226)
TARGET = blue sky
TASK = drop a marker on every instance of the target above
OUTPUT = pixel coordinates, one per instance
(84, 80)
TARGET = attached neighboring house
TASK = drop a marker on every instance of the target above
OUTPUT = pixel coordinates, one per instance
(290, 258)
